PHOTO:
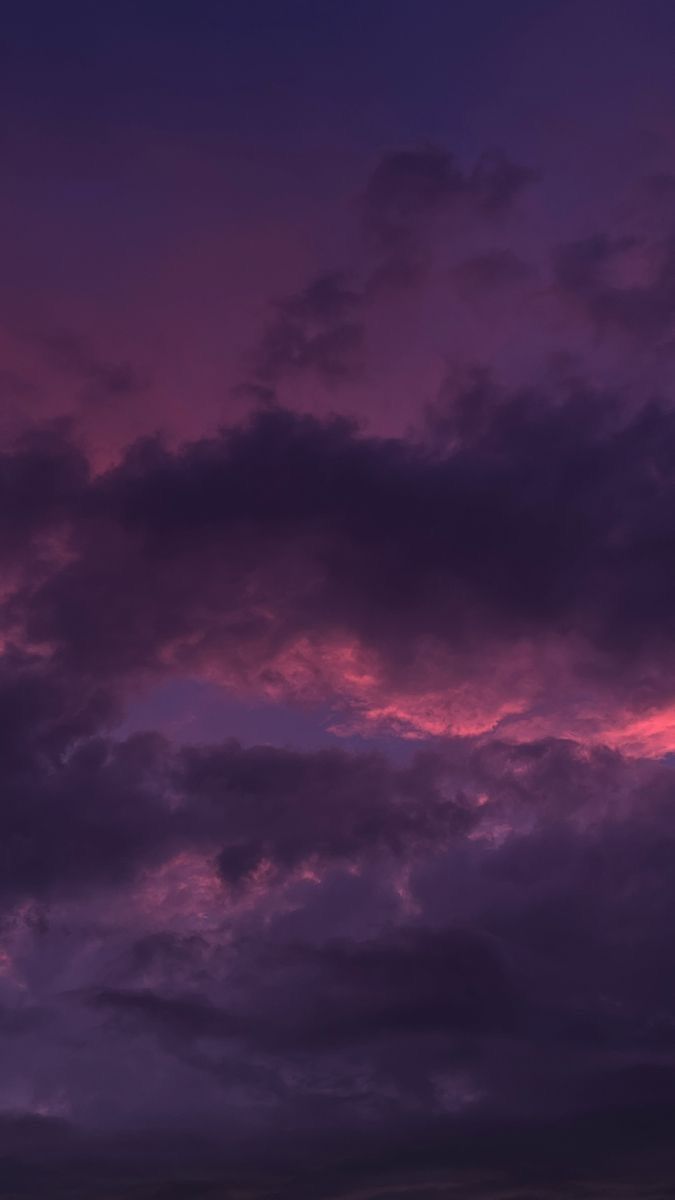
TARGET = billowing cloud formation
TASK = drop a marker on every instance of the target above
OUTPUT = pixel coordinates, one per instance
(324, 954)
(435, 586)
(490, 976)
(82, 811)
(365, 456)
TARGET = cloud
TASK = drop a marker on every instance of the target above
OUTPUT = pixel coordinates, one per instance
(42, 477)
(319, 330)
(71, 355)
(81, 810)
(626, 284)
(76, 810)
(505, 1016)
(287, 808)
(409, 186)
(297, 973)
(410, 189)
(435, 585)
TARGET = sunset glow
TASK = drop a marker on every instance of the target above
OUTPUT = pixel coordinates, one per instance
(337, 600)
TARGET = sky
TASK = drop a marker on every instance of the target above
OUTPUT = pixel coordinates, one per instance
(337, 595)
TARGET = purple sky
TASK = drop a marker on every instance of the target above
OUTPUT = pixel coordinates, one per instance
(337, 534)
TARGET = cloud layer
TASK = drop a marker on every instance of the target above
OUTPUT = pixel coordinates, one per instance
(326, 423)
(429, 586)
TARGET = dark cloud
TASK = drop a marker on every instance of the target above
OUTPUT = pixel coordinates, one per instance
(319, 330)
(434, 957)
(288, 807)
(522, 517)
(76, 810)
(42, 477)
(496, 181)
(324, 974)
(72, 355)
(626, 284)
(81, 810)
(408, 189)
(509, 1024)
(409, 186)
